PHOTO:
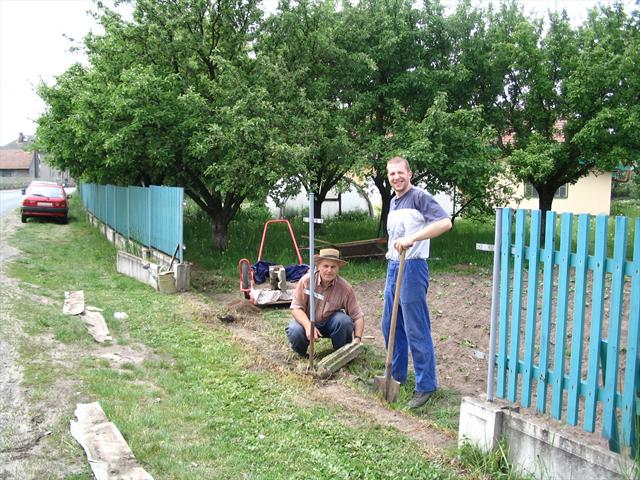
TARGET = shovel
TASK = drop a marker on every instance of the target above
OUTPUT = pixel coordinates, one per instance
(385, 384)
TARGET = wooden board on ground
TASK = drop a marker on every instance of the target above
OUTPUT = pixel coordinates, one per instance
(338, 359)
(107, 451)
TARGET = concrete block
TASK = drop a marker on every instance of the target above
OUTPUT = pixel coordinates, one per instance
(183, 276)
(137, 268)
(480, 423)
(536, 448)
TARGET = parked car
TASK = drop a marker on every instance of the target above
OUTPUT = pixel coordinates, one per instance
(45, 199)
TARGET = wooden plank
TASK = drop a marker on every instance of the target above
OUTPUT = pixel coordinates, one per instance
(516, 304)
(615, 321)
(532, 307)
(507, 214)
(597, 311)
(548, 257)
(107, 451)
(577, 338)
(631, 381)
(557, 377)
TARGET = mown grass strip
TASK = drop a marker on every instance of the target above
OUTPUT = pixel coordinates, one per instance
(197, 407)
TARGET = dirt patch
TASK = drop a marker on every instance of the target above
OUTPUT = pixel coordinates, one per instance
(273, 356)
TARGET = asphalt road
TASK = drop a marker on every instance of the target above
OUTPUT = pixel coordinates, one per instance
(9, 200)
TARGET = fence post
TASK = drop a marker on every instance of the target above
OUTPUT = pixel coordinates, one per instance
(494, 305)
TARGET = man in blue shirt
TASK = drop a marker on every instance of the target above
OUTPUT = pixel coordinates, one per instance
(414, 218)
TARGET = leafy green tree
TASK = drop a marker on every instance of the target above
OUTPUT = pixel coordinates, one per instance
(301, 38)
(173, 96)
(568, 105)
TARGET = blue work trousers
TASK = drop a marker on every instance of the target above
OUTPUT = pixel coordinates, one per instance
(339, 327)
(413, 327)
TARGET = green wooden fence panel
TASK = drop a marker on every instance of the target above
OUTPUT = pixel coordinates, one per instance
(533, 262)
(595, 332)
(631, 381)
(547, 308)
(557, 377)
(579, 307)
(504, 302)
(516, 304)
(615, 323)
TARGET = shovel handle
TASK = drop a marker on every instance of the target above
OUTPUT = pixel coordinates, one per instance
(394, 319)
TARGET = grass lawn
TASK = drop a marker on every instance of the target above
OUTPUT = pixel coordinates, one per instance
(197, 406)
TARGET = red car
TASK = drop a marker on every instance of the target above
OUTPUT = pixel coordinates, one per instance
(45, 199)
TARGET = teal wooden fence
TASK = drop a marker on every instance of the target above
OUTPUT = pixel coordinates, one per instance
(565, 320)
(151, 216)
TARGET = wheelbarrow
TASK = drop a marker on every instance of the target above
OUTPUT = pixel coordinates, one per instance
(265, 283)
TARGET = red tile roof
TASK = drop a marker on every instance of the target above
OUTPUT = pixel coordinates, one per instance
(15, 160)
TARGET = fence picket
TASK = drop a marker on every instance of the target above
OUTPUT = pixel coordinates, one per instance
(631, 381)
(504, 301)
(597, 310)
(516, 310)
(547, 304)
(615, 321)
(532, 307)
(557, 377)
(577, 338)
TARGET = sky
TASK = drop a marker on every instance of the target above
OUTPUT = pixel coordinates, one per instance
(36, 38)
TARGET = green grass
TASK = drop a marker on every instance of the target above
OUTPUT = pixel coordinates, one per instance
(457, 247)
(198, 407)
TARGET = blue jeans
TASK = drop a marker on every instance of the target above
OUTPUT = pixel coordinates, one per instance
(339, 327)
(413, 326)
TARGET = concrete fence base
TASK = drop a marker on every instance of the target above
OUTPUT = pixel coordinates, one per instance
(145, 267)
(537, 449)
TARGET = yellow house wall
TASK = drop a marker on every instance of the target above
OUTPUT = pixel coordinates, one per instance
(591, 194)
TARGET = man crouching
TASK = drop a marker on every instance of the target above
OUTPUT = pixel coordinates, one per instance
(337, 313)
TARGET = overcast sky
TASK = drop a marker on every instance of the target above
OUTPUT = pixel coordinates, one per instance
(35, 45)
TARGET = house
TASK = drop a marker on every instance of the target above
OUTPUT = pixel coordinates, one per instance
(18, 166)
(590, 194)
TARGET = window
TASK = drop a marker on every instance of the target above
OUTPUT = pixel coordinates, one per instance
(530, 192)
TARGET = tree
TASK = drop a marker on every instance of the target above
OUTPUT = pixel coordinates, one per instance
(302, 39)
(570, 99)
(173, 96)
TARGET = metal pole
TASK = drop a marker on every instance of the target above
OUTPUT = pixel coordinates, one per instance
(493, 334)
(312, 308)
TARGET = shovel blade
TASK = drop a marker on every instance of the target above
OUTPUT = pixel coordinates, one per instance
(388, 387)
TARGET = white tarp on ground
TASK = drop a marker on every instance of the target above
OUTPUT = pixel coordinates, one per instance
(73, 303)
(91, 316)
(96, 325)
(265, 297)
(107, 451)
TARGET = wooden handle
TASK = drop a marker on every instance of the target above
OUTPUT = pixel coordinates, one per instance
(394, 318)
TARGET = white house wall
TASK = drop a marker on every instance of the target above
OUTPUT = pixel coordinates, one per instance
(591, 194)
(351, 201)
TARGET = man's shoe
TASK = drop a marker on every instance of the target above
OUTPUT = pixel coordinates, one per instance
(419, 399)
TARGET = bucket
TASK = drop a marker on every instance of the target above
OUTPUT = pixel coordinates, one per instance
(166, 283)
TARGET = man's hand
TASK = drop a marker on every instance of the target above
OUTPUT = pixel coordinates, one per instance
(403, 243)
(316, 332)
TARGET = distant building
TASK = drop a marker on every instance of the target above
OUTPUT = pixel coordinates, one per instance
(18, 165)
(590, 194)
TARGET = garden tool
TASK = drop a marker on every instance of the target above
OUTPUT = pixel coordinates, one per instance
(386, 384)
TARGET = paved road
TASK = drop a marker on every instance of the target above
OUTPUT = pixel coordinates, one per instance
(9, 200)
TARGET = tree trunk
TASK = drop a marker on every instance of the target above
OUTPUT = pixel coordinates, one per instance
(545, 200)
(219, 233)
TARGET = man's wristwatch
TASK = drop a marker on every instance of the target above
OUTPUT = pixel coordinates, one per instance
(358, 337)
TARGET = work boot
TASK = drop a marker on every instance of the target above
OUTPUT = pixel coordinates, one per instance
(419, 399)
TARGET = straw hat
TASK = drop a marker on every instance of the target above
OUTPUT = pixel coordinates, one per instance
(329, 254)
